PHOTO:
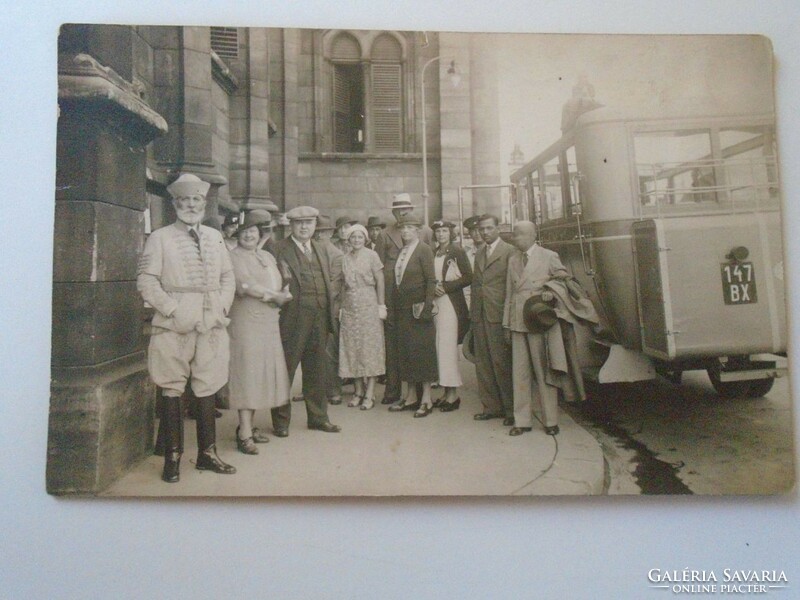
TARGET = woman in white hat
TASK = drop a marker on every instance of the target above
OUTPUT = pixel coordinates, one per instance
(361, 344)
(258, 376)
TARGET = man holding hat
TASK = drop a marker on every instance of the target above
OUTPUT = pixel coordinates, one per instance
(528, 319)
(388, 248)
(186, 275)
(307, 321)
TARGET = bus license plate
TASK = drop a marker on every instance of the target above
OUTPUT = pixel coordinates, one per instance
(739, 283)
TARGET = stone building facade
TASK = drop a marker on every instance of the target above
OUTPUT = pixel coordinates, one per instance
(272, 118)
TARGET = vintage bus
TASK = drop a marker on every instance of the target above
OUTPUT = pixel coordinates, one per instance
(672, 224)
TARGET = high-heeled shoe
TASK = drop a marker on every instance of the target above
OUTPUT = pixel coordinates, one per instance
(423, 411)
(367, 403)
(439, 401)
(450, 406)
(404, 406)
(247, 446)
(356, 401)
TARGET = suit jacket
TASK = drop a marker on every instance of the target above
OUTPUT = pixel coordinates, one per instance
(390, 243)
(524, 281)
(289, 256)
(418, 283)
(456, 255)
(489, 283)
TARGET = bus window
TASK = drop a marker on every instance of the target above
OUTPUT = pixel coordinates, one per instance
(572, 171)
(552, 202)
(675, 167)
(750, 168)
(534, 198)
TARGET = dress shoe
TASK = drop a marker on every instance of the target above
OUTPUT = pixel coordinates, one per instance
(423, 411)
(508, 421)
(367, 404)
(327, 427)
(552, 430)
(172, 467)
(388, 400)
(450, 406)
(207, 460)
(259, 437)
(280, 432)
(518, 430)
(247, 446)
(403, 406)
(356, 401)
(335, 400)
(484, 416)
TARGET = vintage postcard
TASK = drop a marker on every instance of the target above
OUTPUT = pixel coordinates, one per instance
(309, 262)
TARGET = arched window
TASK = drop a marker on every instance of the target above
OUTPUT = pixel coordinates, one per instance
(367, 94)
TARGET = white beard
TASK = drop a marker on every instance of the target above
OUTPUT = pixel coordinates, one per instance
(190, 217)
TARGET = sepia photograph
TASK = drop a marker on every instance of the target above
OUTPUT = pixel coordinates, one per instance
(350, 262)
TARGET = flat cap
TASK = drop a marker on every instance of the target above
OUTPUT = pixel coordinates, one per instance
(188, 185)
(302, 212)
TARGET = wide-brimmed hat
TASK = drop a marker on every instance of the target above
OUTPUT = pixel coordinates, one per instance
(341, 221)
(468, 347)
(258, 217)
(401, 201)
(539, 316)
(375, 222)
(409, 220)
(324, 223)
(302, 212)
(442, 225)
(188, 185)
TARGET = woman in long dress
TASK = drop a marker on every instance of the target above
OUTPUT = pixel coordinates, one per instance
(258, 376)
(453, 274)
(412, 316)
(361, 346)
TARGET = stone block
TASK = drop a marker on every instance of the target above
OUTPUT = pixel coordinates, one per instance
(94, 322)
(259, 88)
(99, 427)
(196, 69)
(142, 59)
(96, 164)
(95, 241)
(197, 38)
(197, 106)
(196, 143)
(455, 138)
(162, 36)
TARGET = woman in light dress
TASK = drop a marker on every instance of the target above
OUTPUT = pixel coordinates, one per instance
(453, 274)
(361, 345)
(258, 377)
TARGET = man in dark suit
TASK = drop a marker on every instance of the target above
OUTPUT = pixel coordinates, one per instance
(492, 351)
(388, 248)
(308, 319)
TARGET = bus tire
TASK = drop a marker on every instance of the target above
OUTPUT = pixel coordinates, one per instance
(728, 389)
(760, 387)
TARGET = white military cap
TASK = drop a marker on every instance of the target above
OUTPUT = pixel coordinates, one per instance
(188, 185)
(302, 212)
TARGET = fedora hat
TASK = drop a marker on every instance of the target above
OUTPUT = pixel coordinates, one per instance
(539, 316)
(375, 222)
(342, 221)
(401, 201)
(468, 347)
(324, 223)
(258, 217)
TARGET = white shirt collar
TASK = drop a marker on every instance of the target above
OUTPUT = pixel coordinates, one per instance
(531, 250)
(300, 244)
(490, 247)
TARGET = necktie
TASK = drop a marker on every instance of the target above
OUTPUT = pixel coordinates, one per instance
(307, 250)
(195, 237)
(524, 259)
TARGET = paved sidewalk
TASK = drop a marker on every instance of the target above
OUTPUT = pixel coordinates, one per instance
(380, 453)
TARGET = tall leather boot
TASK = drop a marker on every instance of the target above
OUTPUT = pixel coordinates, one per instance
(207, 459)
(158, 449)
(172, 429)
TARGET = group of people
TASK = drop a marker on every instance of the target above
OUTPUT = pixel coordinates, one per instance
(346, 302)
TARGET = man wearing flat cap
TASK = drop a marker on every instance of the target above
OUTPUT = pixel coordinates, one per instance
(186, 275)
(307, 321)
(528, 320)
(388, 248)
